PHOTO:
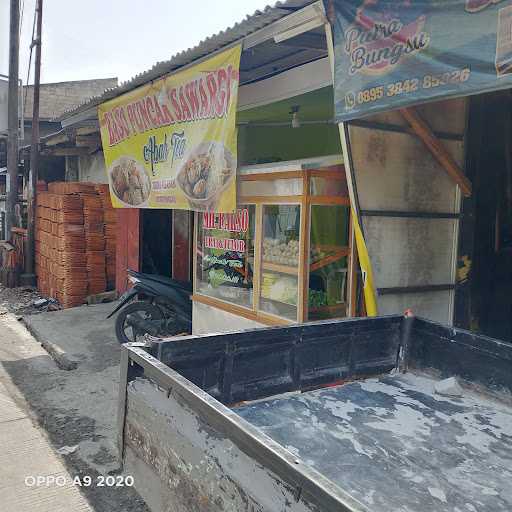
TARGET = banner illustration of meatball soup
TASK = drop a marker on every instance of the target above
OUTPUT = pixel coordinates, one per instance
(172, 143)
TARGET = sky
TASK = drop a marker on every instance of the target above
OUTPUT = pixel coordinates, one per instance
(116, 38)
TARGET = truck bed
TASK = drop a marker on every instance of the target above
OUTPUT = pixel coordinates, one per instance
(333, 416)
(395, 445)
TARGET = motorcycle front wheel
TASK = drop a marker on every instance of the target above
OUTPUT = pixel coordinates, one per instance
(128, 328)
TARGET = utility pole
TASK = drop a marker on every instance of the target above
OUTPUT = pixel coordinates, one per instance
(29, 277)
(13, 122)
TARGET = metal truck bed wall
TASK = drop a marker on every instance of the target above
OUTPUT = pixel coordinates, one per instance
(190, 452)
(476, 359)
(262, 362)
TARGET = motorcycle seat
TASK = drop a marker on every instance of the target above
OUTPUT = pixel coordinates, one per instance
(185, 285)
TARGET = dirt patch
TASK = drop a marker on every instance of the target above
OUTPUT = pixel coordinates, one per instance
(20, 301)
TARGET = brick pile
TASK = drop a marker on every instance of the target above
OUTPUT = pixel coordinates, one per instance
(60, 241)
(94, 243)
(110, 226)
(71, 257)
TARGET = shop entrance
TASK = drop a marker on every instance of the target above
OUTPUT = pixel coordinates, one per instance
(166, 243)
(491, 283)
(156, 242)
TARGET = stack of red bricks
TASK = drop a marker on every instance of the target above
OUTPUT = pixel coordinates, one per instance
(110, 225)
(95, 243)
(71, 258)
(60, 241)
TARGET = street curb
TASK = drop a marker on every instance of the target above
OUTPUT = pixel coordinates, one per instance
(63, 361)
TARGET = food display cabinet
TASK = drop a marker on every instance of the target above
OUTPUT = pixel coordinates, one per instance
(285, 255)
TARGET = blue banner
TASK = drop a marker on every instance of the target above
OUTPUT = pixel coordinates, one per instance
(394, 53)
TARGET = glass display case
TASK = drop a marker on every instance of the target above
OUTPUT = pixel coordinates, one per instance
(286, 255)
(225, 256)
(280, 260)
(328, 257)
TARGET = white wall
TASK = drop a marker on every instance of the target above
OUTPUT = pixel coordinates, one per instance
(210, 320)
(395, 172)
(92, 168)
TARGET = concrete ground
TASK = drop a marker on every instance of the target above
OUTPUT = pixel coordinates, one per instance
(76, 406)
(32, 477)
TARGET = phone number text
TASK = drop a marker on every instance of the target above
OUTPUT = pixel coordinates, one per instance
(407, 86)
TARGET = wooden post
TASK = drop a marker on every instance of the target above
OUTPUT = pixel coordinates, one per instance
(29, 277)
(436, 148)
(258, 256)
(13, 122)
(303, 275)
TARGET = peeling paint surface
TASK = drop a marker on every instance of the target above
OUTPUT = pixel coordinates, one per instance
(396, 446)
(182, 464)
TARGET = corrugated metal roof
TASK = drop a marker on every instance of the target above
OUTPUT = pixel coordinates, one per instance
(252, 23)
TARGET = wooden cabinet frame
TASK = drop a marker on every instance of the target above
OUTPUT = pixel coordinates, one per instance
(305, 200)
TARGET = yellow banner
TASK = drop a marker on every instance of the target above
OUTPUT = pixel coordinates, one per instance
(172, 143)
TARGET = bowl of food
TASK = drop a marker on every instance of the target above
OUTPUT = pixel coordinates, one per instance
(129, 181)
(205, 173)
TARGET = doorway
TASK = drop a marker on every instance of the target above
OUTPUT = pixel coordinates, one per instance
(166, 243)
(156, 242)
(491, 274)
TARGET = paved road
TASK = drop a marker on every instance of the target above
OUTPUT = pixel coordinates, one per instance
(78, 407)
(32, 477)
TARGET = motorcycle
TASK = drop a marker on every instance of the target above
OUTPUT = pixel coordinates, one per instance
(154, 305)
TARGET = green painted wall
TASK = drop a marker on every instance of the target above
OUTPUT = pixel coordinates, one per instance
(271, 144)
(261, 144)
